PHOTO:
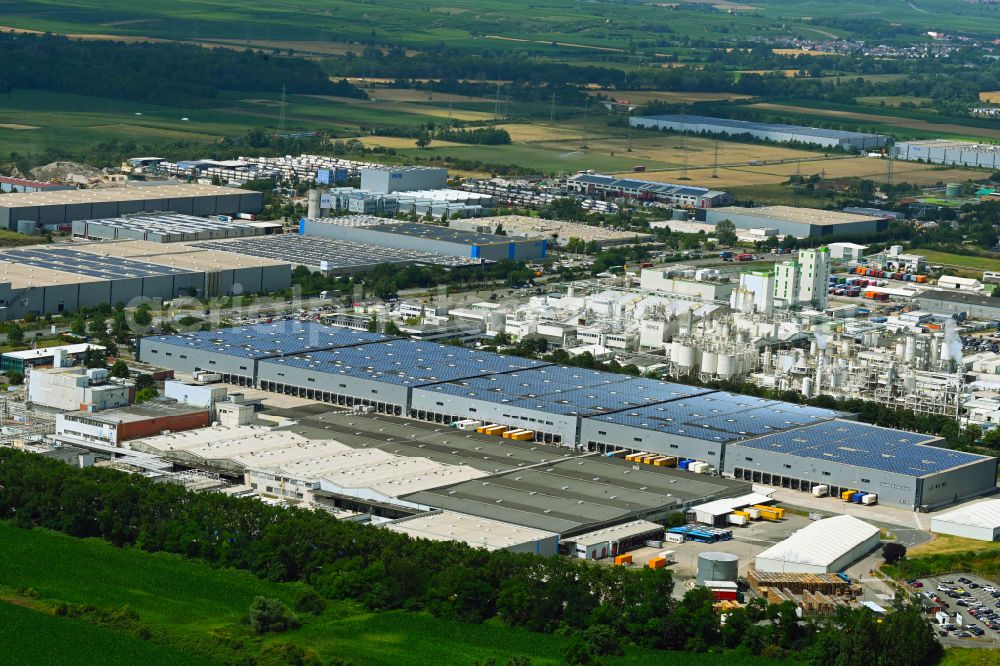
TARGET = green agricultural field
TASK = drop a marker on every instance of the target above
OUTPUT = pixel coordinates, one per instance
(563, 159)
(554, 25)
(192, 609)
(35, 637)
(960, 261)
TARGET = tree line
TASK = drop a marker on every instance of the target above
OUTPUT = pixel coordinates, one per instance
(176, 75)
(605, 606)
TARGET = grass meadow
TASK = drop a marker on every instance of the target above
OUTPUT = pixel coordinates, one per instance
(193, 615)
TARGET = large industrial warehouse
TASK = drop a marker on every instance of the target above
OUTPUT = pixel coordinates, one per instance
(169, 228)
(948, 151)
(903, 468)
(43, 279)
(798, 222)
(612, 187)
(757, 440)
(424, 238)
(331, 256)
(979, 521)
(780, 133)
(67, 206)
(826, 546)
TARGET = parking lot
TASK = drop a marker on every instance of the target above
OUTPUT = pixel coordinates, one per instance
(973, 605)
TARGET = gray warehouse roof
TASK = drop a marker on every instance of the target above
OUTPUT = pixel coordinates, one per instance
(100, 195)
(342, 255)
(579, 494)
(863, 445)
(959, 296)
(749, 126)
(417, 230)
(86, 263)
(175, 224)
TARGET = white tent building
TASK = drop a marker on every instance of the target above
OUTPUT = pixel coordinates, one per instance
(826, 546)
(979, 521)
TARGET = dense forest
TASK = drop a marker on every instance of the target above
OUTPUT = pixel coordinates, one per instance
(177, 75)
(606, 606)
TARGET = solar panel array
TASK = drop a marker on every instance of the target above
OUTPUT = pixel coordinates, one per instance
(568, 391)
(719, 417)
(673, 409)
(613, 183)
(86, 263)
(337, 254)
(863, 445)
(406, 362)
(267, 340)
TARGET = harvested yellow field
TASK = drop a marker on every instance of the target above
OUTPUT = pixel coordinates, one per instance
(15, 126)
(539, 133)
(993, 96)
(798, 52)
(641, 96)
(436, 111)
(400, 142)
(894, 100)
(946, 544)
(699, 151)
(828, 168)
(790, 73)
(411, 95)
(874, 169)
(894, 121)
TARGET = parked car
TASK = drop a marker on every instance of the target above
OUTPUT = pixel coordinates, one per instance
(917, 583)
(989, 588)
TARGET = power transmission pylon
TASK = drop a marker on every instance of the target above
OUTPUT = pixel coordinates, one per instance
(715, 161)
(281, 117)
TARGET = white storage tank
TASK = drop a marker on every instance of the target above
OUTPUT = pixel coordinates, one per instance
(709, 362)
(714, 565)
(727, 366)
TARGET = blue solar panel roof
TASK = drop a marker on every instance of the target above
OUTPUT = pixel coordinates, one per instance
(863, 445)
(406, 362)
(268, 340)
(719, 416)
(86, 263)
(567, 391)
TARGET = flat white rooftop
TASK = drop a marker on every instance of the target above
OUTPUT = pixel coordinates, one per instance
(473, 530)
(801, 215)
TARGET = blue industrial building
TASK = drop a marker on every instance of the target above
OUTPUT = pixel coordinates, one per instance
(763, 441)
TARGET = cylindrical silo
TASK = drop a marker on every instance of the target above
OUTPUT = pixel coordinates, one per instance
(953, 190)
(709, 362)
(714, 565)
(313, 211)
